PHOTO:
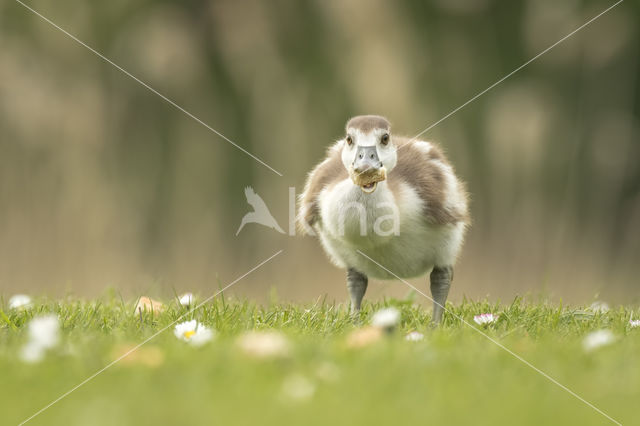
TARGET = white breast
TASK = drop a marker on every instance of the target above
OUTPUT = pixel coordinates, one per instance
(388, 227)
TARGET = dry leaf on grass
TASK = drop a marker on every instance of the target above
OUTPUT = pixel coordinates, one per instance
(363, 337)
(147, 304)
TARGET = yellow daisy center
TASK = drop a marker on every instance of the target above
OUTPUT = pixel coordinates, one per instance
(188, 334)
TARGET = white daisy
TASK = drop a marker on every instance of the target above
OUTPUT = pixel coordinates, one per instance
(31, 352)
(386, 319)
(19, 301)
(264, 344)
(599, 306)
(634, 323)
(597, 339)
(193, 333)
(44, 334)
(186, 299)
(44, 331)
(414, 336)
(483, 319)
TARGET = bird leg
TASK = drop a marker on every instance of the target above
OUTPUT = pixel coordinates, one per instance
(357, 286)
(441, 278)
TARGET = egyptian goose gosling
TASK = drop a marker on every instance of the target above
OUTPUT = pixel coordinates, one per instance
(387, 198)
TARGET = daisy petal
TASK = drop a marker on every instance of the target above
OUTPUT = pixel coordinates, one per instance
(483, 319)
(386, 319)
(598, 339)
(19, 301)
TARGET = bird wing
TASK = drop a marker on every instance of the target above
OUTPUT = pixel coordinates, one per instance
(330, 170)
(425, 172)
(255, 200)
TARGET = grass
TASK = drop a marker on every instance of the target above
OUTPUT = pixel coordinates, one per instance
(453, 376)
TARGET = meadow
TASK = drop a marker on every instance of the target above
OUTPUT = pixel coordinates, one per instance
(324, 368)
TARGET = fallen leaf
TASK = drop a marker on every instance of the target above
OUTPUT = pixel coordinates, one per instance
(363, 337)
(147, 304)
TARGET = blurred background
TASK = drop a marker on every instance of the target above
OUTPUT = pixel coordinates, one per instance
(105, 185)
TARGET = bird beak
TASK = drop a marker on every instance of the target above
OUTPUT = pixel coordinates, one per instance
(367, 169)
(366, 160)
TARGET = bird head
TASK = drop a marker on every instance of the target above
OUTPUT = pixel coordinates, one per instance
(368, 151)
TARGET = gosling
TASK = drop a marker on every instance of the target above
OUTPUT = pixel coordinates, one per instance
(386, 206)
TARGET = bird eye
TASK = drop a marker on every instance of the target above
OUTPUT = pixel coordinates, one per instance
(349, 140)
(385, 139)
